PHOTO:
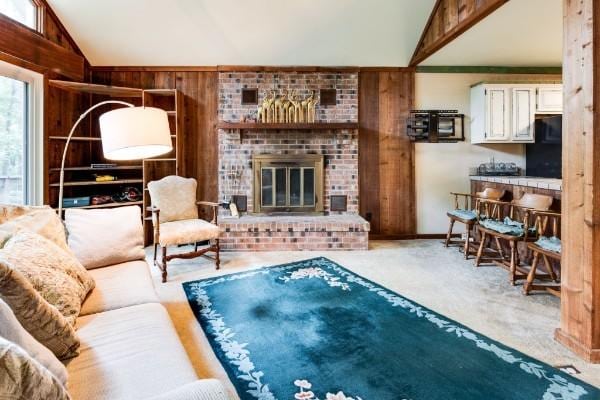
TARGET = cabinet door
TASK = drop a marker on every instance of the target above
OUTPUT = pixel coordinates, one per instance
(497, 114)
(550, 99)
(523, 114)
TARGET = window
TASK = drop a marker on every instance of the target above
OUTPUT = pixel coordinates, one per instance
(23, 11)
(21, 139)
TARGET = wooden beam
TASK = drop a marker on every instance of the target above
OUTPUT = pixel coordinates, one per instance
(580, 298)
(448, 20)
(22, 43)
(452, 69)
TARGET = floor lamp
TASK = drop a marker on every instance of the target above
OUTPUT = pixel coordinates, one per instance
(130, 133)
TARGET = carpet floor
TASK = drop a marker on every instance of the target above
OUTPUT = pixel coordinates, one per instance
(422, 270)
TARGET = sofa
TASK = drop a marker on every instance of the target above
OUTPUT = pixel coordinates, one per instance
(129, 348)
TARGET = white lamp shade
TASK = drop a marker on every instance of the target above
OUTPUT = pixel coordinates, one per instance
(134, 133)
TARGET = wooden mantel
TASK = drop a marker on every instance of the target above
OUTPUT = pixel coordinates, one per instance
(316, 126)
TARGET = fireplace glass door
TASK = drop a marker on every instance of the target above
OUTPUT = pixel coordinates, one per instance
(287, 186)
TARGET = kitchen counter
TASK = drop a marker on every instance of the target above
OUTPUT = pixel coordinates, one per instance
(527, 181)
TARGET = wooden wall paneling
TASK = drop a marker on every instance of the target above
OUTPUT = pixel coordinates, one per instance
(580, 297)
(368, 145)
(386, 155)
(448, 20)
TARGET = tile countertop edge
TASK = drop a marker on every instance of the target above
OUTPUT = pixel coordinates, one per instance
(540, 183)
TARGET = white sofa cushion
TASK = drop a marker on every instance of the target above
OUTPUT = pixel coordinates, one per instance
(106, 236)
(187, 231)
(204, 389)
(119, 286)
(130, 353)
(11, 330)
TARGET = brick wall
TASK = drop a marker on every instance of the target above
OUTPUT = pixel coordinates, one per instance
(339, 148)
(231, 85)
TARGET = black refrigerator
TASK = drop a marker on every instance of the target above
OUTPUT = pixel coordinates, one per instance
(544, 157)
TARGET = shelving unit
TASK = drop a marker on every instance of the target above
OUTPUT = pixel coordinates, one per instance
(85, 148)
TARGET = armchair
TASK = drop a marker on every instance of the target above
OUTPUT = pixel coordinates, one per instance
(175, 220)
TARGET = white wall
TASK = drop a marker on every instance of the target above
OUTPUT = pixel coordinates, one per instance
(441, 168)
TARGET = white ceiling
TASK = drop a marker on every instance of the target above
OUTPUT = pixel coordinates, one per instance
(520, 33)
(245, 32)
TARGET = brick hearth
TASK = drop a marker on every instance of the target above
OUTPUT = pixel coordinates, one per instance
(268, 233)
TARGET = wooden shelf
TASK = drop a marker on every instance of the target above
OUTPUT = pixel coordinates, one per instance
(105, 90)
(316, 126)
(89, 183)
(110, 205)
(117, 168)
(162, 92)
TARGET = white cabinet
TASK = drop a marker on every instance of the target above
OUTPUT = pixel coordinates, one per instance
(497, 116)
(505, 113)
(549, 99)
(523, 114)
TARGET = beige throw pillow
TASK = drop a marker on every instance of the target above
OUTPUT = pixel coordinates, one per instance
(25, 378)
(106, 237)
(54, 273)
(42, 220)
(11, 330)
(40, 319)
(175, 197)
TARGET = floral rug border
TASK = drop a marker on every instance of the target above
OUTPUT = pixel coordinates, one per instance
(558, 387)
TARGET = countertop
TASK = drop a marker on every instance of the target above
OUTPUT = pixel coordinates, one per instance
(530, 181)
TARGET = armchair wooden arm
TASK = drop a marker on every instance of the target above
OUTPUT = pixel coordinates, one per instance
(215, 207)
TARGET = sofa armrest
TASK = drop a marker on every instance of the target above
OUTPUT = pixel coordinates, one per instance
(202, 389)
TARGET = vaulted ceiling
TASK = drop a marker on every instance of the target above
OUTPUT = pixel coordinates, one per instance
(249, 32)
(521, 33)
(303, 32)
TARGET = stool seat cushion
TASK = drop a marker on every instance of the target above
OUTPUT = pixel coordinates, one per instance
(469, 215)
(506, 226)
(550, 243)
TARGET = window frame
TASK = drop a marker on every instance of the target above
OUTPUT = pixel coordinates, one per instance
(34, 136)
(39, 15)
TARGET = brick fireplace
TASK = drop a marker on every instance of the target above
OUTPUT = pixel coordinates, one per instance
(275, 217)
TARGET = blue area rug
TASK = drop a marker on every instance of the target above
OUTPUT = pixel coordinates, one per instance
(314, 330)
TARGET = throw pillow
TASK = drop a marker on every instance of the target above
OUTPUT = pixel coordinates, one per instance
(175, 197)
(107, 236)
(41, 220)
(25, 378)
(39, 318)
(11, 330)
(55, 274)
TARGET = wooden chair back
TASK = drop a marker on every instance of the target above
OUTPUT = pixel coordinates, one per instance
(491, 193)
(540, 202)
(547, 223)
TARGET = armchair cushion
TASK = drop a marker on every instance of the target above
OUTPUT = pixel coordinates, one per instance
(175, 197)
(186, 231)
(507, 226)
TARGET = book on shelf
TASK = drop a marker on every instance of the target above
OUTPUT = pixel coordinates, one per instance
(102, 166)
(105, 178)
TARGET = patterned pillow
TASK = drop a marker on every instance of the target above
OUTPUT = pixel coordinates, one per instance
(175, 197)
(55, 274)
(25, 378)
(41, 220)
(39, 318)
(11, 330)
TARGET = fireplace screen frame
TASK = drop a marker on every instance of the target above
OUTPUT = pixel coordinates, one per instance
(287, 161)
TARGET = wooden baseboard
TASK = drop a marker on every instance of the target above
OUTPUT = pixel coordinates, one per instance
(587, 354)
(412, 236)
